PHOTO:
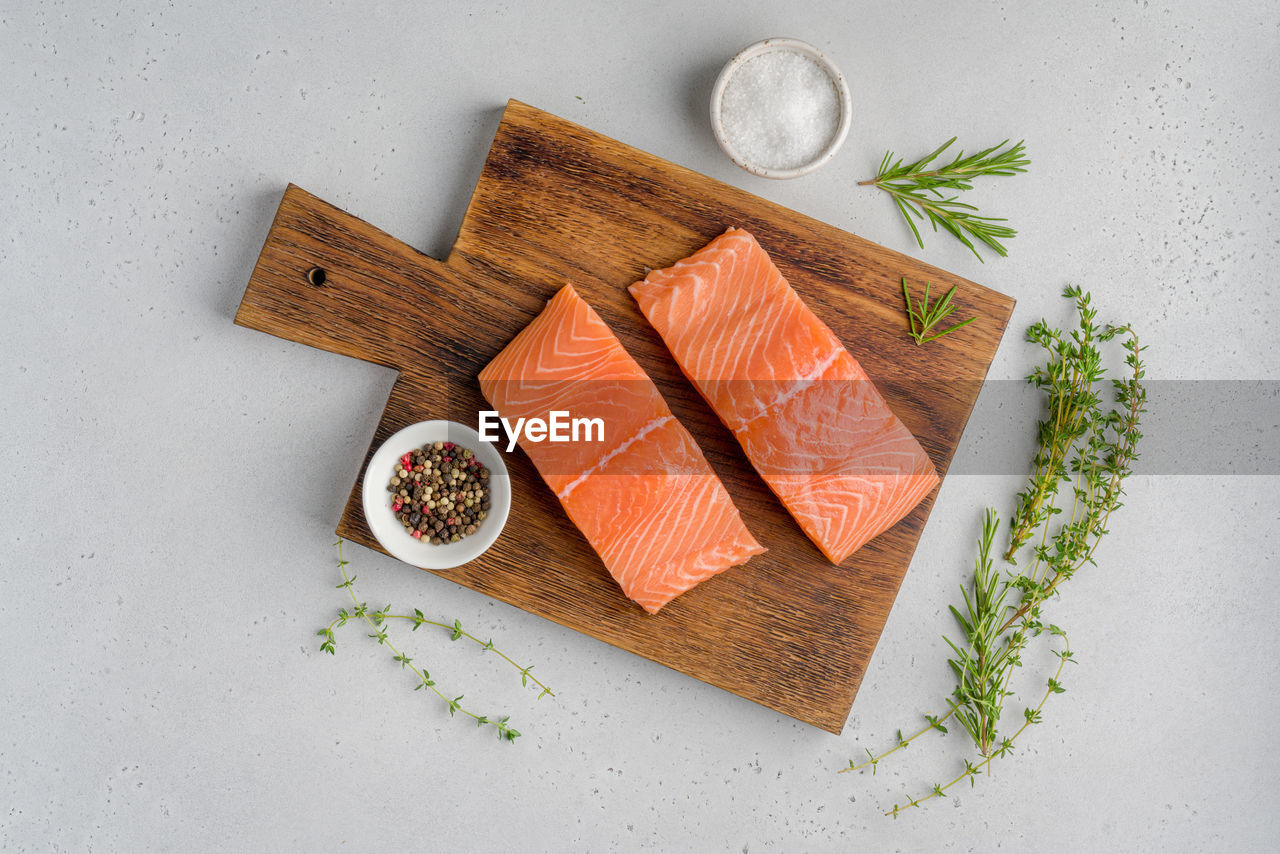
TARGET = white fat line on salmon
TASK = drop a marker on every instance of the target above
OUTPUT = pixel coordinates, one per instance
(640, 434)
(800, 385)
(558, 427)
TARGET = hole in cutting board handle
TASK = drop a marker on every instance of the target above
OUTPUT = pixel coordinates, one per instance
(316, 276)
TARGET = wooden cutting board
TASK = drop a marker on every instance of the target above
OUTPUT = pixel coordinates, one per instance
(555, 203)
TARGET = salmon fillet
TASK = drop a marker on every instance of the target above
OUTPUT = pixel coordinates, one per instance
(809, 419)
(644, 496)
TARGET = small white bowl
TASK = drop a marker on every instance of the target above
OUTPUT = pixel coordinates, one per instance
(387, 528)
(793, 46)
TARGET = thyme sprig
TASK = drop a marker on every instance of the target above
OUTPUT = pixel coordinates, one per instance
(917, 191)
(1075, 422)
(922, 317)
(418, 620)
(1082, 442)
(1030, 717)
(376, 619)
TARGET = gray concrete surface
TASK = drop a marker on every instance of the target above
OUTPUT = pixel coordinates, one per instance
(172, 481)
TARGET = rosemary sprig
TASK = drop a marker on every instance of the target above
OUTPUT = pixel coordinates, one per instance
(1083, 442)
(377, 620)
(922, 317)
(1030, 717)
(980, 667)
(917, 191)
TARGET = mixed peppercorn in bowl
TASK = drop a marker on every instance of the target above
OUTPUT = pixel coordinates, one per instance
(435, 495)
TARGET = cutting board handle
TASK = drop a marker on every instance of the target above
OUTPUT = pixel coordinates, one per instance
(330, 280)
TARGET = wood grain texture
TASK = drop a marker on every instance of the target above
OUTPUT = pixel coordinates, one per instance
(555, 203)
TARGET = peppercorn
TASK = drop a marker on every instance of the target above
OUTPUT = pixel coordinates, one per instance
(439, 492)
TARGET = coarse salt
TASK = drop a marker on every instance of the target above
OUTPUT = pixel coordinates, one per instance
(780, 110)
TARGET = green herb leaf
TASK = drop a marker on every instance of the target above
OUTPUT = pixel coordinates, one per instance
(378, 621)
(1084, 441)
(922, 317)
(917, 189)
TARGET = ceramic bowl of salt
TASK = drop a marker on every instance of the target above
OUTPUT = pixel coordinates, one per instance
(780, 108)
